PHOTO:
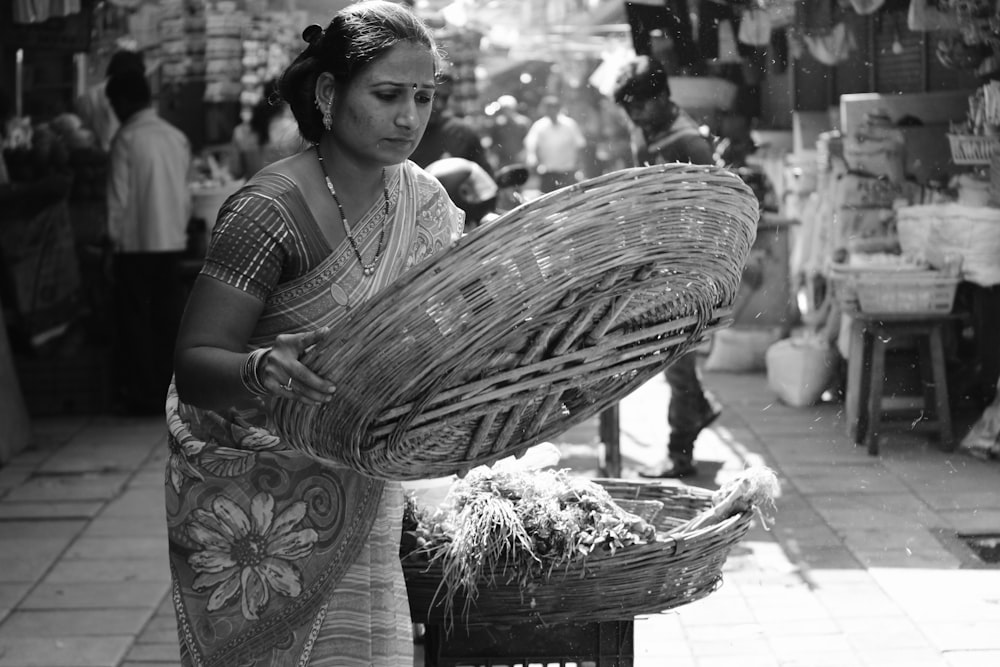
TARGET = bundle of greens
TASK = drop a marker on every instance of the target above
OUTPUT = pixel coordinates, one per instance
(508, 525)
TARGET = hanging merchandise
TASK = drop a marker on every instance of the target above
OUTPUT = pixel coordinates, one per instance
(866, 7)
(930, 16)
(729, 52)
(755, 27)
(833, 47)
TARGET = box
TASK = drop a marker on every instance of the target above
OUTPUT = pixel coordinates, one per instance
(604, 644)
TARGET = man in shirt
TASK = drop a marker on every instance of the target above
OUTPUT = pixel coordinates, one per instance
(669, 135)
(508, 131)
(149, 205)
(553, 146)
(447, 135)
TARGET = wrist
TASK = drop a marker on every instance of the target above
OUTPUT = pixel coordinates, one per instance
(252, 372)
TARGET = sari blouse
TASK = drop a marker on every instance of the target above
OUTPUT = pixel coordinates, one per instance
(278, 557)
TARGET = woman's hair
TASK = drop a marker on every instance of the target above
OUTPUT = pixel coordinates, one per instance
(357, 36)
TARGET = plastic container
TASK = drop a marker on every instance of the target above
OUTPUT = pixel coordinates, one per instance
(799, 370)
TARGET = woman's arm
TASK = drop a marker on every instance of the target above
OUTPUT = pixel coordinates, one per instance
(212, 350)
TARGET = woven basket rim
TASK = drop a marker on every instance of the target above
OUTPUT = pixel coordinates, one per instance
(662, 245)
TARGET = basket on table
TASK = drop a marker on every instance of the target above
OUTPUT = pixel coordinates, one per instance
(530, 324)
(638, 579)
(914, 291)
(972, 148)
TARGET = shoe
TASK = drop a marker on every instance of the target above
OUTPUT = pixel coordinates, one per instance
(677, 471)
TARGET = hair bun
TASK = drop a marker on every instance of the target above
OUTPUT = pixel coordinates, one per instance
(312, 33)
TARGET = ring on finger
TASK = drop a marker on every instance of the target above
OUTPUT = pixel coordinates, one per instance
(288, 385)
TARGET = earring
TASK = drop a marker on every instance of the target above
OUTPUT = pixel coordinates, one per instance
(328, 118)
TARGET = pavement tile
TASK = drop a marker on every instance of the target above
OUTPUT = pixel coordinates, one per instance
(126, 594)
(105, 651)
(813, 480)
(69, 487)
(972, 658)
(39, 529)
(68, 571)
(974, 521)
(875, 511)
(145, 653)
(22, 569)
(724, 644)
(47, 511)
(12, 593)
(73, 623)
(123, 547)
(13, 476)
(960, 499)
(117, 527)
(903, 657)
(79, 458)
(966, 635)
(143, 501)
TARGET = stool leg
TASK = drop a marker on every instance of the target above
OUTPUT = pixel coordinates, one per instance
(942, 405)
(854, 400)
(876, 385)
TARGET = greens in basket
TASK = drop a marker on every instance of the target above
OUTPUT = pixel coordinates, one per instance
(507, 525)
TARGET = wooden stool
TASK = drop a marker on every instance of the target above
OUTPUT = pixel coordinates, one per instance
(871, 336)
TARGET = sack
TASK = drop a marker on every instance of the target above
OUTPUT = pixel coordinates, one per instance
(741, 349)
(927, 16)
(799, 370)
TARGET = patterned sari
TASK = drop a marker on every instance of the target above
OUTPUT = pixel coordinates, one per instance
(277, 558)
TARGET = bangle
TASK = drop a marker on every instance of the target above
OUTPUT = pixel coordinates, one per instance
(250, 372)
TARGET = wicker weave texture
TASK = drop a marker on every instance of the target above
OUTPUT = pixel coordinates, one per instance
(640, 579)
(530, 324)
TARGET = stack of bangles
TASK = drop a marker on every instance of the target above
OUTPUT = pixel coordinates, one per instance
(250, 372)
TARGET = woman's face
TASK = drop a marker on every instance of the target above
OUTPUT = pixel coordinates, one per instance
(381, 115)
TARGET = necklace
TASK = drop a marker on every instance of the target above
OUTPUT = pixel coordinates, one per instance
(368, 269)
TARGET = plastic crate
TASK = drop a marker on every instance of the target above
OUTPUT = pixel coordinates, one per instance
(907, 294)
(972, 148)
(603, 644)
(886, 291)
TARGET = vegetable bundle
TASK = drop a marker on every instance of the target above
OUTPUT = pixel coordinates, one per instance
(506, 525)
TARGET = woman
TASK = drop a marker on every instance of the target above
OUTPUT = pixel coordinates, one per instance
(278, 558)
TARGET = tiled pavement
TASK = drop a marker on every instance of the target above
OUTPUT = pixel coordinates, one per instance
(861, 569)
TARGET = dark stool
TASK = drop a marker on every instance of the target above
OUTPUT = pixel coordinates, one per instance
(871, 336)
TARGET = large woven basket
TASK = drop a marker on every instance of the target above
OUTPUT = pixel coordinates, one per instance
(530, 324)
(639, 579)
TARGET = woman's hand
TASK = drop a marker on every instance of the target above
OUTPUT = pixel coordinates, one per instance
(284, 375)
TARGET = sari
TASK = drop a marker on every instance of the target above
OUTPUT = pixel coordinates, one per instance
(279, 558)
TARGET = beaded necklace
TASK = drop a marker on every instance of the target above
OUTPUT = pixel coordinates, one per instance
(367, 268)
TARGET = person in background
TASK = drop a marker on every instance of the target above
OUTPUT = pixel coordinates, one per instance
(93, 108)
(553, 146)
(149, 205)
(448, 135)
(271, 134)
(279, 557)
(669, 135)
(507, 132)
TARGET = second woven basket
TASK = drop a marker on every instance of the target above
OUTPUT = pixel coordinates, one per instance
(530, 324)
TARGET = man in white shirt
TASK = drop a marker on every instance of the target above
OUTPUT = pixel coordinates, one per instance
(149, 206)
(554, 146)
